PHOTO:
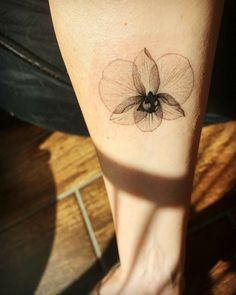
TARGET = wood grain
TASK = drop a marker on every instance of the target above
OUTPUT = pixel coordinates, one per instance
(40, 170)
(224, 277)
(47, 252)
(97, 205)
(216, 166)
(72, 159)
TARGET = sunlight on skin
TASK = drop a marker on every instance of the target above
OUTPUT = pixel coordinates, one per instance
(148, 175)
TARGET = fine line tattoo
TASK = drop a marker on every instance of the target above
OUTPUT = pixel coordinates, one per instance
(145, 92)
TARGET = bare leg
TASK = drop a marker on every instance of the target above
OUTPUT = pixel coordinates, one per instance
(141, 72)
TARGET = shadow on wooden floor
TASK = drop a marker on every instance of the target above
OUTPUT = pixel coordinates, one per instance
(26, 232)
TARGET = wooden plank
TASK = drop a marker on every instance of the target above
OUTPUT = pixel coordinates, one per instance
(72, 160)
(216, 166)
(48, 253)
(40, 171)
(224, 278)
(220, 208)
(210, 260)
(97, 204)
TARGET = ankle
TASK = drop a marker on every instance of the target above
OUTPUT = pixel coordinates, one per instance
(146, 282)
(159, 286)
(138, 284)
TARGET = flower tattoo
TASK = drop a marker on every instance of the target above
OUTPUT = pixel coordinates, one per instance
(145, 92)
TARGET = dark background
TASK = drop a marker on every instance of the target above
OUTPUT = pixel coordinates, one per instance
(35, 87)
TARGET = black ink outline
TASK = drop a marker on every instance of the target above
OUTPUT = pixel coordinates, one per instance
(168, 107)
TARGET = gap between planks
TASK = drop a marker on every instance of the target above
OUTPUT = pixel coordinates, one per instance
(52, 201)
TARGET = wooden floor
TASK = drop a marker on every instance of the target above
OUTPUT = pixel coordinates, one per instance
(56, 231)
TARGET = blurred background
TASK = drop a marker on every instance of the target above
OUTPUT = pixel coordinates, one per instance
(56, 230)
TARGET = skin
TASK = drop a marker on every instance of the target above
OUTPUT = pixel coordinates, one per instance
(148, 175)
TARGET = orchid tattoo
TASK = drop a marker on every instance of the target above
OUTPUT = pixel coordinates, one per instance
(145, 92)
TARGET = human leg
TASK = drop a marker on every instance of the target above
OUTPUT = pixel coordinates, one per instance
(141, 72)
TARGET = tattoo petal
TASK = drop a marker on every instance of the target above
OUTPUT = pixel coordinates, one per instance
(148, 121)
(145, 73)
(117, 83)
(176, 76)
(127, 104)
(170, 107)
(124, 118)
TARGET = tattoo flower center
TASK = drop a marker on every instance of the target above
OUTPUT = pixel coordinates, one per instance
(149, 103)
(145, 92)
